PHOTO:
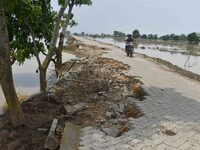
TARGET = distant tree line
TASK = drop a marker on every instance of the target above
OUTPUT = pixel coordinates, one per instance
(192, 37)
(102, 35)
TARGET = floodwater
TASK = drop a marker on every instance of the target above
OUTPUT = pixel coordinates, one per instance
(26, 79)
(193, 64)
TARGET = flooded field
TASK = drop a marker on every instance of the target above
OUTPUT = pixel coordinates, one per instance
(175, 54)
(26, 79)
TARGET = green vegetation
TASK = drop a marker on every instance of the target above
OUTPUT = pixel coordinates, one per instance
(136, 34)
(170, 37)
(119, 34)
(6, 77)
(152, 36)
(193, 38)
(183, 37)
(34, 31)
(27, 29)
(67, 22)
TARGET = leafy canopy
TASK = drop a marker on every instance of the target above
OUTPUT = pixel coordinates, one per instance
(22, 14)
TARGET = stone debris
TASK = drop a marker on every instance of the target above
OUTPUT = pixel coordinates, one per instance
(112, 131)
(52, 141)
(70, 138)
(42, 129)
(70, 110)
(95, 93)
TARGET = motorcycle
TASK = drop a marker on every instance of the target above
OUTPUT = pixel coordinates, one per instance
(129, 49)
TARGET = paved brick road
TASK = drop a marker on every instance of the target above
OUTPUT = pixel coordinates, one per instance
(173, 104)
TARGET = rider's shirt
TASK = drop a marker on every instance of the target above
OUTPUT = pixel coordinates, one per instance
(129, 42)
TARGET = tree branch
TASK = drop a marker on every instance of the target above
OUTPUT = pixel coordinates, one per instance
(44, 53)
(55, 33)
(71, 5)
(36, 52)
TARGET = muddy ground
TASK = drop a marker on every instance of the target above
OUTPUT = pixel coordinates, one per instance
(93, 91)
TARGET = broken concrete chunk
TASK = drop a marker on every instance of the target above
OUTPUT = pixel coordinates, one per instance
(42, 129)
(113, 131)
(108, 115)
(113, 121)
(79, 106)
(70, 139)
(121, 106)
(101, 93)
(95, 97)
(70, 110)
(52, 141)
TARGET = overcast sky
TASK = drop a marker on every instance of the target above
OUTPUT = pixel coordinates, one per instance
(149, 16)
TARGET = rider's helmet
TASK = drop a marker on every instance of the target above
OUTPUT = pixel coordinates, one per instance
(129, 35)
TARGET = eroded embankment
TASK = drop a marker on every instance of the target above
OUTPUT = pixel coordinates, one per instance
(92, 91)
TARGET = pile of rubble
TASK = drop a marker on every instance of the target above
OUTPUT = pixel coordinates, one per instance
(92, 91)
(95, 92)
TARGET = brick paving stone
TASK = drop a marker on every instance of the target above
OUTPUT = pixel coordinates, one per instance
(173, 103)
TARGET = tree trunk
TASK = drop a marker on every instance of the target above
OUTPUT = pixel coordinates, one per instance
(6, 78)
(51, 50)
(43, 81)
(58, 63)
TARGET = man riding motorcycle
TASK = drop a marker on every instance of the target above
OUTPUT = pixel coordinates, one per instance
(129, 45)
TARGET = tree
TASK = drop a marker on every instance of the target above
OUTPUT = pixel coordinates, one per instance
(174, 37)
(144, 36)
(165, 37)
(136, 34)
(68, 21)
(32, 25)
(6, 78)
(51, 51)
(119, 34)
(155, 36)
(193, 38)
(182, 37)
(150, 36)
(35, 28)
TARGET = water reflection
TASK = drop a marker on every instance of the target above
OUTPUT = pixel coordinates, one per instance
(26, 79)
